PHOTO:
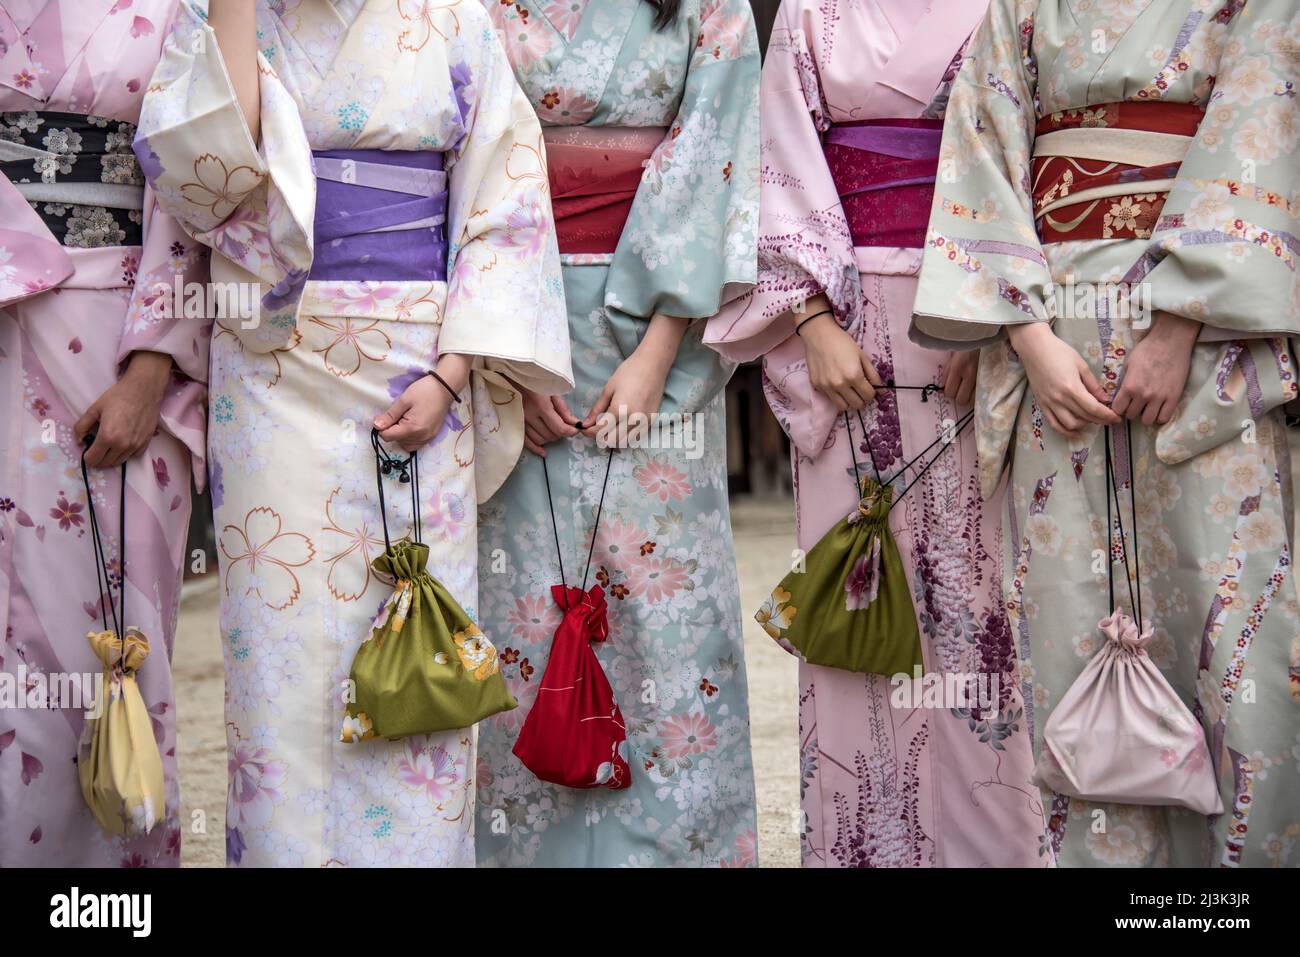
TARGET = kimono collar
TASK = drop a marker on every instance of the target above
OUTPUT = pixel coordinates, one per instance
(57, 34)
(917, 66)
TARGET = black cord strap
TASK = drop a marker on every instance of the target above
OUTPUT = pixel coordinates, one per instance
(559, 552)
(803, 322)
(947, 441)
(455, 396)
(1112, 489)
(408, 472)
(103, 580)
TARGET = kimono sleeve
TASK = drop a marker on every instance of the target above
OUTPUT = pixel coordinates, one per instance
(31, 259)
(690, 243)
(804, 244)
(1225, 248)
(505, 297)
(252, 204)
(983, 266)
(168, 315)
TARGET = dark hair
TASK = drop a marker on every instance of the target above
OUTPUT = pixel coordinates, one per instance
(667, 11)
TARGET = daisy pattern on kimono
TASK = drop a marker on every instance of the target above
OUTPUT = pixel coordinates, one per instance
(658, 580)
(661, 480)
(528, 41)
(565, 15)
(685, 735)
(534, 619)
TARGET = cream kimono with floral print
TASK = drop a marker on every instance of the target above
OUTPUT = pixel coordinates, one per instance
(1212, 487)
(296, 389)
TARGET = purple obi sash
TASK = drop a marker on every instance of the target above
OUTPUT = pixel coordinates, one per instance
(380, 215)
(884, 171)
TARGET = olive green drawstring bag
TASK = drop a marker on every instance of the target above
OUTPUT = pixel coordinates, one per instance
(426, 667)
(850, 605)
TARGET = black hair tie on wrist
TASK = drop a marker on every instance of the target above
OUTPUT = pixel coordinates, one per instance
(455, 396)
(815, 315)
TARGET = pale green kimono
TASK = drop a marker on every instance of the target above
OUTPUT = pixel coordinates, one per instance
(1214, 512)
(664, 554)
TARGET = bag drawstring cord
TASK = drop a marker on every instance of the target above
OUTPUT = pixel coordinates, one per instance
(559, 552)
(1112, 492)
(408, 472)
(946, 440)
(102, 580)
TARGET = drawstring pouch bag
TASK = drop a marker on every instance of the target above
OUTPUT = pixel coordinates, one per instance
(1121, 734)
(575, 735)
(850, 604)
(118, 763)
(426, 667)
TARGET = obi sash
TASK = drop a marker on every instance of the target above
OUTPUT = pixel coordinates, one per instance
(884, 171)
(1104, 172)
(380, 215)
(594, 174)
(78, 173)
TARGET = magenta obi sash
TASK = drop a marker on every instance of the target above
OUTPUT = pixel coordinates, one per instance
(380, 215)
(884, 171)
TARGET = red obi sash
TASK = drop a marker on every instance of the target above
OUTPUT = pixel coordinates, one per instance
(594, 174)
(884, 172)
(1104, 172)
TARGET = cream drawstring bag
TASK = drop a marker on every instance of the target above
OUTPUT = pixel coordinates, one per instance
(118, 762)
(1120, 733)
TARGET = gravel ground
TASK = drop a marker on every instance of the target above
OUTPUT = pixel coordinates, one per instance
(764, 533)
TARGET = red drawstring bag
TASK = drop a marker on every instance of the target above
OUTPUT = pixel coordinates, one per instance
(574, 734)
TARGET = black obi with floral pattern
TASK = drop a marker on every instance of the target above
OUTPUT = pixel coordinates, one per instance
(78, 172)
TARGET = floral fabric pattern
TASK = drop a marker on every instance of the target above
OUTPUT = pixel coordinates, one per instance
(296, 506)
(71, 314)
(890, 777)
(663, 554)
(1212, 486)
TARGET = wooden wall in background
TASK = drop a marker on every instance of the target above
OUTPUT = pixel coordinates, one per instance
(758, 456)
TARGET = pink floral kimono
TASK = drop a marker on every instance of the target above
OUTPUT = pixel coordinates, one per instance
(893, 774)
(88, 270)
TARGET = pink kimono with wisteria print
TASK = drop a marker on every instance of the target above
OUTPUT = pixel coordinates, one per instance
(885, 782)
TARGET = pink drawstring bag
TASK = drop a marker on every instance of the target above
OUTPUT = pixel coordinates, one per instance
(1121, 734)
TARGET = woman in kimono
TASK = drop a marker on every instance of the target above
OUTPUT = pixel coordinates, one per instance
(852, 105)
(651, 127)
(1115, 227)
(399, 284)
(91, 341)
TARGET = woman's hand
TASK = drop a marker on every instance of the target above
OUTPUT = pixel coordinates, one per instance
(125, 417)
(1155, 373)
(547, 419)
(415, 418)
(837, 368)
(959, 376)
(637, 385)
(1065, 389)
